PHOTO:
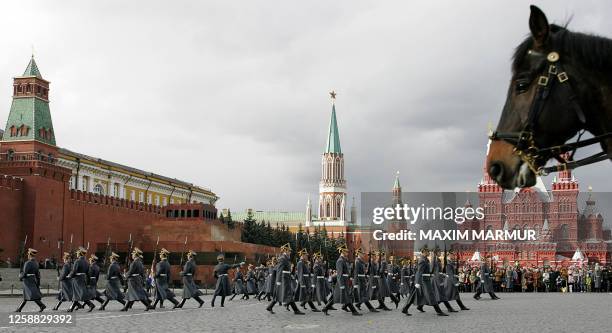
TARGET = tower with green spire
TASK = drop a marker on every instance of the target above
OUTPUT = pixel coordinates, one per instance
(30, 118)
(332, 188)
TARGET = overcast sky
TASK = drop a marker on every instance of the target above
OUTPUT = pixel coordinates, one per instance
(233, 95)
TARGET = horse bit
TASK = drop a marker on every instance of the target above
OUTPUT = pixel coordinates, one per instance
(523, 141)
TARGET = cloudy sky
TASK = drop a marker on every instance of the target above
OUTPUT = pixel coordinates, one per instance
(233, 95)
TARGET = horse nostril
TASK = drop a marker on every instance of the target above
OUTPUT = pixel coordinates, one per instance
(496, 170)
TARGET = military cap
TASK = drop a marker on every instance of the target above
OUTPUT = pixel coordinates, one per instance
(66, 255)
(93, 257)
(424, 248)
(191, 253)
(114, 255)
(318, 255)
(220, 257)
(302, 252)
(342, 248)
(32, 252)
(358, 251)
(286, 247)
(81, 250)
(137, 251)
(164, 251)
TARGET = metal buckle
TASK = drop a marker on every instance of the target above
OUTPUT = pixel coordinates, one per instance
(552, 69)
(562, 77)
(543, 81)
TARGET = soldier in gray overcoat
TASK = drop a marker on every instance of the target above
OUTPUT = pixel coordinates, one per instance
(94, 275)
(423, 292)
(113, 282)
(405, 278)
(305, 287)
(135, 281)
(30, 276)
(65, 292)
(239, 288)
(360, 282)
(251, 281)
(162, 281)
(342, 288)
(80, 281)
(222, 287)
(451, 282)
(284, 293)
(439, 278)
(190, 289)
(486, 283)
(318, 271)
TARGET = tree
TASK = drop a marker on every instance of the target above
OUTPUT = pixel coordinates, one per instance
(248, 228)
(228, 220)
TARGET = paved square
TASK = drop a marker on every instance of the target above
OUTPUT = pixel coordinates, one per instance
(513, 313)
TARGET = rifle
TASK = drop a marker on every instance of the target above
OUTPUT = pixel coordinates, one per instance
(183, 253)
(107, 254)
(57, 266)
(127, 260)
(70, 259)
(22, 255)
(154, 256)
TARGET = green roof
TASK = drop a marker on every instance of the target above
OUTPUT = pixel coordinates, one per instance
(333, 137)
(33, 113)
(271, 216)
(32, 70)
(396, 184)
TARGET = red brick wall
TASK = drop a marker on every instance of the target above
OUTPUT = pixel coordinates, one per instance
(11, 195)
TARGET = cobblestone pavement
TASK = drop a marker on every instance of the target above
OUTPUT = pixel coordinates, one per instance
(514, 312)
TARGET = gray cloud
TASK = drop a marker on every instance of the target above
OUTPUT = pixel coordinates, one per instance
(233, 95)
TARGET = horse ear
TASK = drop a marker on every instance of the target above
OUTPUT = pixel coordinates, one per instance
(538, 24)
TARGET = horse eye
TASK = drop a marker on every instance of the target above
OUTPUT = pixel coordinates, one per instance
(522, 86)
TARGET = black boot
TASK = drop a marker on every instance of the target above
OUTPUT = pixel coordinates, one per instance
(370, 307)
(354, 311)
(127, 305)
(395, 300)
(212, 303)
(328, 307)
(155, 303)
(271, 306)
(161, 304)
(74, 305)
(439, 311)
(40, 305)
(461, 306)
(222, 301)
(420, 308)
(449, 307)
(180, 305)
(147, 305)
(91, 306)
(200, 301)
(103, 307)
(295, 309)
(57, 306)
(313, 307)
(345, 308)
(232, 298)
(21, 306)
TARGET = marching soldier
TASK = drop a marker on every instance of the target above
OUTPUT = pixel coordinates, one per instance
(65, 292)
(162, 279)
(239, 285)
(438, 280)
(113, 282)
(320, 289)
(485, 284)
(405, 275)
(393, 276)
(423, 292)
(79, 275)
(30, 276)
(265, 290)
(251, 281)
(451, 283)
(305, 287)
(94, 274)
(190, 289)
(260, 275)
(360, 283)
(383, 286)
(342, 288)
(374, 277)
(284, 293)
(135, 281)
(223, 286)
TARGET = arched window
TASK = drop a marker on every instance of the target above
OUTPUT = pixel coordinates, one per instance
(98, 189)
(565, 231)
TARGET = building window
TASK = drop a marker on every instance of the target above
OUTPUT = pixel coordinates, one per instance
(85, 184)
(157, 200)
(164, 201)
(71, 182)
(133, 195)
(116, 190)
(149, 198)
(565, 231)
(98, 189)
(141, 196)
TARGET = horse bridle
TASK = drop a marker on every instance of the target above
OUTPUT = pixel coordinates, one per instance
(523, 141)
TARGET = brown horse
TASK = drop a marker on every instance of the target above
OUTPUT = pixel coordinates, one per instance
(561, 86)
